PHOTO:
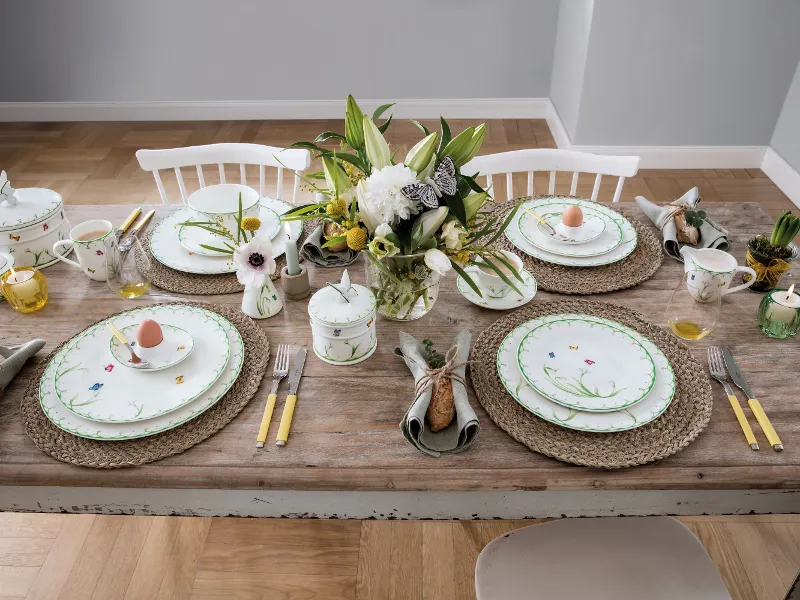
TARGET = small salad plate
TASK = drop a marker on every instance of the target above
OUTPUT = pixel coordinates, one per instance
(511, 300)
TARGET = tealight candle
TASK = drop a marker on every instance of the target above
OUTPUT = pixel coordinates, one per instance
(779, 313)
(25, 289)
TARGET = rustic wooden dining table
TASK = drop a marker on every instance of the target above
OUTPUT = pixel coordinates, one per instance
(346, 456)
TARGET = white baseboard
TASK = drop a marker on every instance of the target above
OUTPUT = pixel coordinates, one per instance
(666, 157)
(452, 108)
(782, 174)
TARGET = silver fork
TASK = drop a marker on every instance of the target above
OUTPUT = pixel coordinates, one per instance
(716, 367)
(279, 371)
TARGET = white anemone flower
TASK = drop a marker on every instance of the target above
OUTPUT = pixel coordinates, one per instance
(253, 262)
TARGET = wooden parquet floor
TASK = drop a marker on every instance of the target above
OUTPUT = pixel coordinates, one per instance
(94, 163)
(75, 557)
(95, 557)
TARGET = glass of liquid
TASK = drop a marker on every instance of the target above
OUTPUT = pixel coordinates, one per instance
(692, 313)
(124, 276)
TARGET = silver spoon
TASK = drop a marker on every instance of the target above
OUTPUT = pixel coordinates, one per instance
(136, 361)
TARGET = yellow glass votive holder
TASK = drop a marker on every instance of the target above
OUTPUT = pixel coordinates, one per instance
(25, 289)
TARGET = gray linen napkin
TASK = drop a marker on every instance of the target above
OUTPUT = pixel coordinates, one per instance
(13, 357)
(312, 250)
(464, 428)
(711, 234)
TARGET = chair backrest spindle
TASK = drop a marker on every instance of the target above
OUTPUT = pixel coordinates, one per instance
(574, 187)
(243, 173)
(530, 183)
(200, 177)
(596, 187)
(222, 173)
(181, 184)
(551, 186)
(279, 193)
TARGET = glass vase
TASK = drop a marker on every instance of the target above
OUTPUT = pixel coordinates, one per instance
(405, 288)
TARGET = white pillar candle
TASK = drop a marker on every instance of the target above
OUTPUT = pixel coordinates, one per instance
(25, 286)
(785, 306)
(292, 259)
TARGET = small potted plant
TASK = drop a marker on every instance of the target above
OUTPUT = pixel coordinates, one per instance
(770, 256)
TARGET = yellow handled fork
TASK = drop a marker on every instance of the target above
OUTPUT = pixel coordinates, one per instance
(279, 371)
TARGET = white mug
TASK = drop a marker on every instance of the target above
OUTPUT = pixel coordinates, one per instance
(91, 252)
(712, 268)
(491, 282)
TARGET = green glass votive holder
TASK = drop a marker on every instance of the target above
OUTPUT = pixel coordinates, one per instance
(779, 314)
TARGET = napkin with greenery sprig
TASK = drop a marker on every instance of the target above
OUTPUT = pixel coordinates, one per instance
(431, 369)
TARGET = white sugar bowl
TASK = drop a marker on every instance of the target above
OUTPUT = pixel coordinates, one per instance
(343, 322)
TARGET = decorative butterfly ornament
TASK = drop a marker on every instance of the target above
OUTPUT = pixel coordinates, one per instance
(443, 182)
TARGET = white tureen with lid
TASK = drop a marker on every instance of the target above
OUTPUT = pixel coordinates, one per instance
(31, 221)
(343, 322)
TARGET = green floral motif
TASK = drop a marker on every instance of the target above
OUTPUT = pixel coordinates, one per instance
(325, 353)
(576, 386)
(37, 257)
(265, 298)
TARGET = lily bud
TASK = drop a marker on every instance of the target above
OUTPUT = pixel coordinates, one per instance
(354, 124)
(337, 180)
(473, 203)
(420, 155)
(377, 148)
(427, 171)
(474, 146)
(458, 146)
(426, 225)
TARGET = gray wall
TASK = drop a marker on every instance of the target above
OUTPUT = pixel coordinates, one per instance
(786, 138)
(569, 61)
(687, 72)
(161, 50)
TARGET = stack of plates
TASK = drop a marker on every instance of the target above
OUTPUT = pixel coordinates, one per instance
(89, 390)
(586, 373)
(180, 247)
(607, 236)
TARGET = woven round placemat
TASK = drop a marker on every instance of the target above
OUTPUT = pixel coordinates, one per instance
(681, 423)
(127, 453)
(640, 265)
(179, 282)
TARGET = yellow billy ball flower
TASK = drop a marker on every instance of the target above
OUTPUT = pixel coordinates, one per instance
(337, 207)
(357, 238)
(251, 223)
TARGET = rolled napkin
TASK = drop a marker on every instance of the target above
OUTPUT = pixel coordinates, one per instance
(663, 217)
(13, 357)
(312, 250)
(464, 427)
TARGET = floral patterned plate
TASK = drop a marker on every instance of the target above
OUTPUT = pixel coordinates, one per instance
(90, 383)
(81, 427)
(167, 249)
(635, 416)
(510, 300)
(586, 365)
(629, 235)
(191, 238)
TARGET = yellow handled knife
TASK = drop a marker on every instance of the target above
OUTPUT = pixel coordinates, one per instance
(291, 399)
(755, 405)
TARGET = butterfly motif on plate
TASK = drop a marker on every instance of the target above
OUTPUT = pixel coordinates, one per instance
(442, 182)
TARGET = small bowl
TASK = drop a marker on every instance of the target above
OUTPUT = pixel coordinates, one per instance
(220, 203)
(174, 348)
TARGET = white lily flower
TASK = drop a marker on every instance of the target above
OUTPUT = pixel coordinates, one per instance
(436, 260)
(369, 220)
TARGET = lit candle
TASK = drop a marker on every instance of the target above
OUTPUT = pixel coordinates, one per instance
(785, 307)
(292, 259)
(24, 285)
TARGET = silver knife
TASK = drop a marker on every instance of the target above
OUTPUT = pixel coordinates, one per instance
(755, 405)
(288, 408)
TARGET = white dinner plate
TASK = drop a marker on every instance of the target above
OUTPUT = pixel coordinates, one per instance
(193, 238)
(629, 235)
(582, 364)
(90, 383)
(637, 415)
(167, 249)
(610, 235)
(72, 423)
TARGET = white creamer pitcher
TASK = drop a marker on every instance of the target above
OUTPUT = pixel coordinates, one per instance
(709, 268)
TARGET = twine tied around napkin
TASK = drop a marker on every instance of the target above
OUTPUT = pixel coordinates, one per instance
(464, 427)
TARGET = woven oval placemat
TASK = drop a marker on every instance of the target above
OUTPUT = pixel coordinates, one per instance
(179, 282)
(686, 417)
(640, 265)
(127, 453)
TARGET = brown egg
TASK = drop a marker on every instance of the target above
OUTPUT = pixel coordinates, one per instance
(149, 334)
(572, 217)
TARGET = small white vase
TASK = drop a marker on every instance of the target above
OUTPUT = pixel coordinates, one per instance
(261, 302)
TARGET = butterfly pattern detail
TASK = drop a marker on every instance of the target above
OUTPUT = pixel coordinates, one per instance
(589, 362)
(13, 237)
(109, 368)
(45, 227)
(443, 182)
(573, 347)
(179, 379)
(96, 387)
(181, 347)
(90, 270)
(552, 355)
(99, 253)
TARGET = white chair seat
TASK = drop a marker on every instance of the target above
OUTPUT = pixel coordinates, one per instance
(619, 558)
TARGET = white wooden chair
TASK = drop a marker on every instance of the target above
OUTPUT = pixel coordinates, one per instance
(295, 159)
(545, 159)
(619, 558)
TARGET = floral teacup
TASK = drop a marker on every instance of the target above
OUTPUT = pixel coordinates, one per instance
(489, 281)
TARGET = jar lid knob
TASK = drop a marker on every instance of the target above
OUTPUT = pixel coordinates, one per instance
(6, 191)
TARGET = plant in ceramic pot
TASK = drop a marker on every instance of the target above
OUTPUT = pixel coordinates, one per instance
(413, 220)
(772, 255)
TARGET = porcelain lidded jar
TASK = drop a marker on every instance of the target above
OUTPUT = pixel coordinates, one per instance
(31, 221)
(343, 322)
